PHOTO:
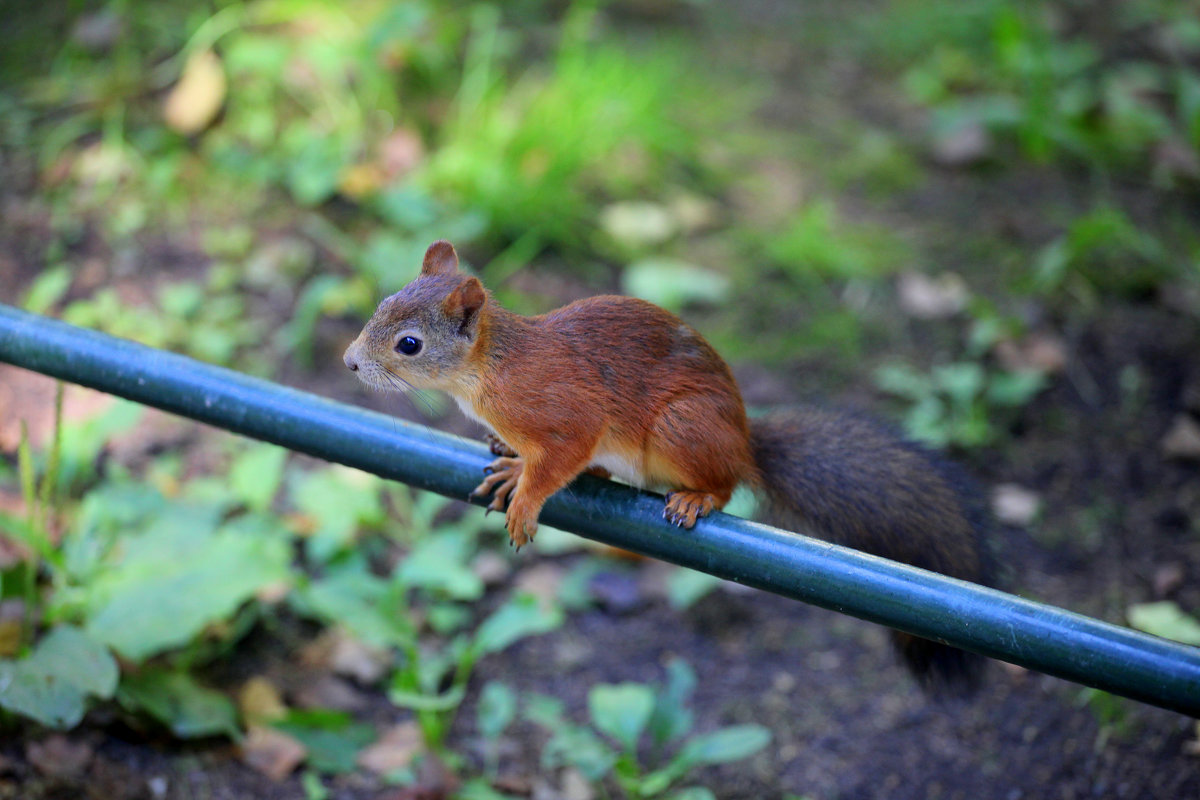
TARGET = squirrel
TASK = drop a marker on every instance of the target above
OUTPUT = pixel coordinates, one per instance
(620, 387)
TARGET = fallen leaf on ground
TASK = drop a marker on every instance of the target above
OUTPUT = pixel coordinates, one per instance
(259, 701)
(1183, 439)
(575, 786)
(98, 30)
(693, 212)
(394, 750)
(196, 99)
(638, 223)
(271, 752)
(328, 691)
(354, 658)
(56, 756)
(1192, 746)
(360, 180)
(1042, 352)
(1168, 578)
(541, 581)
(491, 567)
(928, 297)
(158, 785)
(10, 637)
(434, 781)
(1015, 505)
(400, 153)
(963, 146)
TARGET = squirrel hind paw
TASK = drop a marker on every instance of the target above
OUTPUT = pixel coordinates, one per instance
(684, 508)
(499, 447)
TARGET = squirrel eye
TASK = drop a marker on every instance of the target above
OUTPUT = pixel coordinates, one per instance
(408, 345)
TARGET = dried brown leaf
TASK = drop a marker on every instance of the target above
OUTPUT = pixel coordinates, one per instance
(271, 752)
(193, 103)
(260, 701)
(56, 756)
(394, 750)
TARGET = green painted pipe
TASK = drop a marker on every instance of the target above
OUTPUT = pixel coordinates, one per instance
(979, 619)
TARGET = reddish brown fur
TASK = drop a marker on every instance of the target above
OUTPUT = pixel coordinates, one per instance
(618, 384)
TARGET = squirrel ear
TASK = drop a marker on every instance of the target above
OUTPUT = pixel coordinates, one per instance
(440, 259)
(463, 304)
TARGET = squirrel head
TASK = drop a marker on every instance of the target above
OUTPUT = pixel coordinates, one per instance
(422, 336)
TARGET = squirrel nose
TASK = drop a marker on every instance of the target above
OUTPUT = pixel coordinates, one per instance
(350, 361)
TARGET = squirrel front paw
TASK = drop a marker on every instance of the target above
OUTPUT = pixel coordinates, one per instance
(684, 508)
(521, 523)
(502, 479)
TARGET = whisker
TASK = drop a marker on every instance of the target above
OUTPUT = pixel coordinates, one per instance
(410, 390)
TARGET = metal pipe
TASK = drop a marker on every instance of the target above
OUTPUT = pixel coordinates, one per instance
(986, 621)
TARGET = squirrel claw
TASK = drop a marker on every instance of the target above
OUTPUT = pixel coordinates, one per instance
(684, 508)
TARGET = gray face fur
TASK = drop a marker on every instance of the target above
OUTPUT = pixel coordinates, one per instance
(431, 309)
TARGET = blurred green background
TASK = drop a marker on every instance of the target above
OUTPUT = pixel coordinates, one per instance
(976, 218)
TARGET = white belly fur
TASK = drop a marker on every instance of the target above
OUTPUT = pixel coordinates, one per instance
(620, 467)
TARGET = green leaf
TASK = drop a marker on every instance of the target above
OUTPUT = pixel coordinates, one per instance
(497, 707)
(673, 284)
(310, 782)
(417, 701)
(407, 207)
(353, 597)
(77, 658)
(962, 381)
(480, 789)
(1165, 619)
(672, 719)
(48, 288)
(903, 381)
(167, 590)
(28, 690)
(1014, 389)
(387, 257)
(692, 793)
(438, 564)
(256, 473)
(341, 500)
(621, 711)
(721, 746)
(686, 586)
(724, 745)
(544, 710)
(315, 167)
(575, 746)
(190, 710)
(36, 540)
(521, 616)
(82, 441)
(332, 738)
(52, 685)
(448, 617)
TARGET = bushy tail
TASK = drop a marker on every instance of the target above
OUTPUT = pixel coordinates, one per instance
(849, 480)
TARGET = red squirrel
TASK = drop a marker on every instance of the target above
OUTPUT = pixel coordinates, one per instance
(619, 386)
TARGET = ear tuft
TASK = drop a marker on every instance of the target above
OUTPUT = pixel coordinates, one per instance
(440, 259)
(464, 303)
